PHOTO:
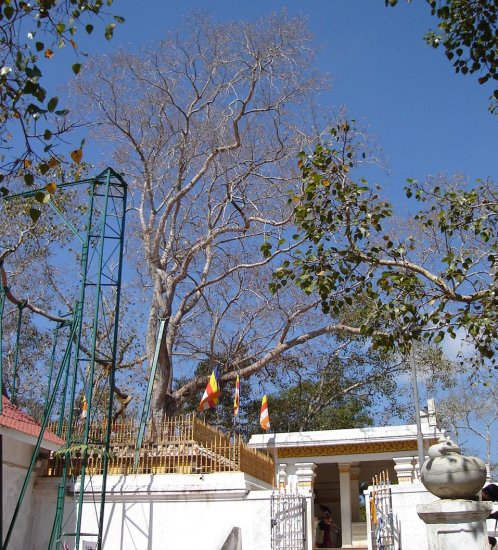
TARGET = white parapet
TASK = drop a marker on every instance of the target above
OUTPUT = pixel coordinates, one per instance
(456, 523)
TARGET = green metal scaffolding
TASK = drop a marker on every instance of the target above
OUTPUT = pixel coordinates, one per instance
(102, 243)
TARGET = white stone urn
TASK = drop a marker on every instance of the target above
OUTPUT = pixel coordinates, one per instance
(449, 475)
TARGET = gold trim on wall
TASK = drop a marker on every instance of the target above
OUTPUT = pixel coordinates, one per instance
(350, 449)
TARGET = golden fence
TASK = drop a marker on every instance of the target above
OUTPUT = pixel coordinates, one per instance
(181, 444)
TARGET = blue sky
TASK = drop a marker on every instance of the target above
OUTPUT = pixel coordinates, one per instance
(427, 119)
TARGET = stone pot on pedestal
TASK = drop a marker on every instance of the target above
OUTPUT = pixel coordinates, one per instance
(458, 520)
(449, 475)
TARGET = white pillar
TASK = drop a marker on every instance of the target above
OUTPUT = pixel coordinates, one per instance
(354, 475)
(282, 477)
(345, 488)
(404, 468)
(305, 473)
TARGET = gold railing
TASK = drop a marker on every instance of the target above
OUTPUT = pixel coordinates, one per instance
(182, 444)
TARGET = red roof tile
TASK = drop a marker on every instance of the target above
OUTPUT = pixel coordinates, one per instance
(14, 418)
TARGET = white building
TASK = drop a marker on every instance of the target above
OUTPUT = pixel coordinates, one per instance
(214, 497)
(334, 465)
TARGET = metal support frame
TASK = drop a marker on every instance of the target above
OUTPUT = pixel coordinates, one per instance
(100, 290)
(148, 396)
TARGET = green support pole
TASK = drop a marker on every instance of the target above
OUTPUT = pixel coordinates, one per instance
(3, 292)
(92, 362)
(146, 407)
(84, 265)
(51, 370)
(16, 354)
(36, 450)
(112, 373)
(108, 200)
(62, 411)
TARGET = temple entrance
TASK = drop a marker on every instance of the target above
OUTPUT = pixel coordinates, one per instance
(338, 489)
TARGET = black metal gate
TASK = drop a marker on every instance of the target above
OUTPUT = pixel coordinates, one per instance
(288, 522)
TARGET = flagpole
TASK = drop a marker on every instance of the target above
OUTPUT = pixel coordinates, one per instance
(420, 437)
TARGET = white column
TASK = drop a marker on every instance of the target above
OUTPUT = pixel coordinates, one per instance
(404, 468)
(305, 473)
(345, 488)
(354, 476)
(282, 477)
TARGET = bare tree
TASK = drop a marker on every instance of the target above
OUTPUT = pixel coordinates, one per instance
(206, 126)
(473, 410)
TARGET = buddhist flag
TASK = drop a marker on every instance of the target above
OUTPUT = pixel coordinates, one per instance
(236, 399)
(373, 511)
(84, 409)
(264, 418)
(211, 393)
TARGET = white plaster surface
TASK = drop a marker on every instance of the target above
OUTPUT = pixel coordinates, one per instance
(16, 458)
(181, 512)
(456, 523)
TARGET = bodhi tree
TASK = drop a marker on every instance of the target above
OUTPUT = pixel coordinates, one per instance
(418, 281)
(206, 126)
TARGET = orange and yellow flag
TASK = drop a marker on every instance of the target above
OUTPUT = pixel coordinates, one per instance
(236, 399)
(212, 392)
(264, 418)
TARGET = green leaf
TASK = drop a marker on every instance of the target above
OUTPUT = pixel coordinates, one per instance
(119, 19)
(60, 27)
(47, 135)
(76, 68)
(109, 31)
(8, 11)
(4, 191)
(439, 338)
(42, 197)
(29, 179)
(52, 104)
(39, 46)
(89, 29)
(34, 214)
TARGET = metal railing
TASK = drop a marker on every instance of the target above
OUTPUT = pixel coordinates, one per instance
(181, 444)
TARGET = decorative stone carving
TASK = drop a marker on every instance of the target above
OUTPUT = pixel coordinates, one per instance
(404, 468)
(449, 475)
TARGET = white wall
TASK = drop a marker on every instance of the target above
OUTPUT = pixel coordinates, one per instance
(16, 460)
(177, 512)
(147, 512)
